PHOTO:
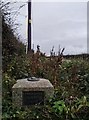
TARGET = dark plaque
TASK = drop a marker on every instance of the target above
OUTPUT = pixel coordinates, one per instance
(33, 97)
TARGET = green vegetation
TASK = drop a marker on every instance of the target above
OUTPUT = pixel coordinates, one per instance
(70, 79)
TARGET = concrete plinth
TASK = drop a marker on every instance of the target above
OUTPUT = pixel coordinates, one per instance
(31, 89)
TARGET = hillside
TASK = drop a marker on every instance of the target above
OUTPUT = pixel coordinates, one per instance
(11, 45)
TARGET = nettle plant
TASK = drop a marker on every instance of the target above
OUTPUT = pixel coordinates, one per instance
(71, 108)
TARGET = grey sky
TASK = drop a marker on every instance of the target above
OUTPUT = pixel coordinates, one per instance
(56, 23)
(60, 23)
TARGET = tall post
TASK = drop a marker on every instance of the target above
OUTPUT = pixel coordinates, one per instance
(29, 26)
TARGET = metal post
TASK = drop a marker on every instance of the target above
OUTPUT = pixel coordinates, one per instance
(29, 26)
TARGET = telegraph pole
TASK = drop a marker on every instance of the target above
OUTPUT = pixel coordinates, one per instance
(29, 26)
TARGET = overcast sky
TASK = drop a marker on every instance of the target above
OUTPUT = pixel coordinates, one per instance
(56, 23)
(63, 24)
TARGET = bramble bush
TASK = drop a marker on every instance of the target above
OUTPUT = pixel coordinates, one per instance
(71, 83)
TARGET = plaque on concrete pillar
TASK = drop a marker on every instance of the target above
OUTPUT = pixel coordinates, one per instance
(32, 98)
(32, 91)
